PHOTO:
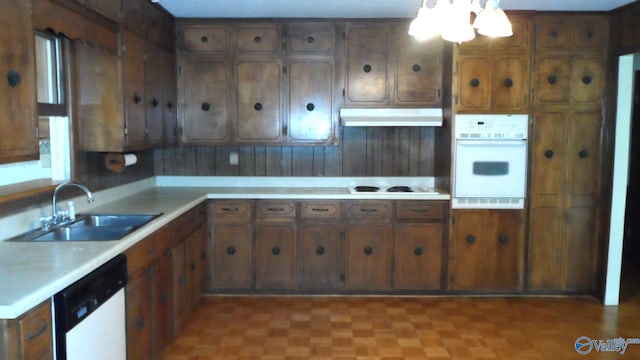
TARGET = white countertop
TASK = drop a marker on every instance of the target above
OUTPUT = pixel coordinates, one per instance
(33, 272)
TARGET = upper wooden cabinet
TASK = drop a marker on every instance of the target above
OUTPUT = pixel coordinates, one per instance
(204, 38)
(18, 141)
(569, 79)
(108, 8)
(148, 21)
(571, 33)
(386, 66)
(260, 38)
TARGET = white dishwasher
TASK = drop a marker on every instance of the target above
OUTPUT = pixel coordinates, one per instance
(89, 315)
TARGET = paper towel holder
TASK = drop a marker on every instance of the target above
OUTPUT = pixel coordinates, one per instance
(116, 162)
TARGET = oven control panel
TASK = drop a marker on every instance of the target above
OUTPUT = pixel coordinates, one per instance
(491, 126)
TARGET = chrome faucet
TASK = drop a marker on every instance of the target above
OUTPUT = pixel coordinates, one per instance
(54, 217)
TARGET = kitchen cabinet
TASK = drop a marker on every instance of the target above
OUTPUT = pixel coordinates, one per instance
(564, 187)
(555, 32)
(232, 244)
(385, 66)
(319, 243)
(275, 244)
(18, 118)
(418, 245)
(160, 94)
(162, 290)
(487, 250)
(28, 337)
(139, 317)
(492, 75)
(569, 79)
(134, 93)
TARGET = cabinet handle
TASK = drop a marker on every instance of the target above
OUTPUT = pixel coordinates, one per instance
(508, 83)
(231, 250)
(40, 331)
(205, 106)
(419, 211)
(136, 98)
(257, 39)
(588, 34)
(164, 297)
(418, 251)
(204, 39)
(257, 106)
(548, 154)
(583, 154)
(140, 323)
(552, 79)
(275, 250)
(553, 34)
(368, 250)
(320, 250)
(503, 239)
(471, 239)
(169, 105)
(276, 209)
(310, 107)
(13, 78)
(155, 102)
(368, 211)
(366, 68)
(230, 209)
(319, 209)
(416, 68)
(475, 83)
(586, 80)
(194, 266)
(310, 39)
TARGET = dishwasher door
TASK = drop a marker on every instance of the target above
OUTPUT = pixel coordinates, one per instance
(90, 315)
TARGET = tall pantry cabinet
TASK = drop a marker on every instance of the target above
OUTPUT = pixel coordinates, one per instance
(568, 83)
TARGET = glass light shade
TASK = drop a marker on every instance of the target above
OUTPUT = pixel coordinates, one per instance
(493, 23)
(425, 25)
(456, 22)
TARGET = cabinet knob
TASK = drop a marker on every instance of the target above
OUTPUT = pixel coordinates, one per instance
(169, 105)
(471, 239)
(136, 98)
(310, 107)
(257, 39)
(367, 68)
(205, 106)
(552, 79)
(194, 266)
(155, 102)
(310, 39)
(548, 154)
(503, 239)
(164, 297)
(508, 83)
(368, 250)
(204, 39)
(416, 68)
(320, 250)
(583, 154)
(588, 34)
(553, 34)
(257, 106)
(275, 250)
(140, 323)
(418, 251)
(586, 80)
(475, 83)
(231, 250)
(13, 78)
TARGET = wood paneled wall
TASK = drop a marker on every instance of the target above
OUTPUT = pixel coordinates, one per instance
(363, 151)
(92, 172)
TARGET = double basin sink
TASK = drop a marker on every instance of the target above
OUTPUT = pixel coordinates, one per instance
(90, 227)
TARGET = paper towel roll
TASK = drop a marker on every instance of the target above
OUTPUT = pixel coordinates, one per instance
(117, 162)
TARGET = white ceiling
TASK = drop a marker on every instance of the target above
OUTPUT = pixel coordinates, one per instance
(351, 8)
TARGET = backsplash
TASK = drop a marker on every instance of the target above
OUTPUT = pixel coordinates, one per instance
(93, 173)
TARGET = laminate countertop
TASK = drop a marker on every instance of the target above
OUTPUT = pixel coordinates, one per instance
(32, 272)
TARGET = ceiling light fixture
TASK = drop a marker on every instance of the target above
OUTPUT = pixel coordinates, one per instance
(451, 19)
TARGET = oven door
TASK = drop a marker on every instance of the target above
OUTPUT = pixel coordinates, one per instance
(490, 168)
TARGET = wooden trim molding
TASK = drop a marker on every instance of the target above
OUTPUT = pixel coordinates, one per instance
(17, 197)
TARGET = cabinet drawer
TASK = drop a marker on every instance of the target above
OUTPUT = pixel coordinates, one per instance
(320, 210)
(258, 38)
(205, 38)
(275, 209)
(311, 39)
(35, 333)
(190, 221)
(145, 251)
(419, 210)
(369, 209)
(229, 210)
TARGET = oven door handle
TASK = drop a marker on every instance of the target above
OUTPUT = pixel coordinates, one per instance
(492, 142)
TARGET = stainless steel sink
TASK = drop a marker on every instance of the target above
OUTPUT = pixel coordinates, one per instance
(90, 227)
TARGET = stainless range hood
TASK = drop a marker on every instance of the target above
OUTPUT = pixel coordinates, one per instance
(390, 117)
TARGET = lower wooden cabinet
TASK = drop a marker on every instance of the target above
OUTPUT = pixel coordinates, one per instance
(368, 256)
(319, 254)
(418, 256)
(232, 256)
(275, 256)
(29, 336)
(139, 316)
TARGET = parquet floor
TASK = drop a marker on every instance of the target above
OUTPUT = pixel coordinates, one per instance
(404, 328)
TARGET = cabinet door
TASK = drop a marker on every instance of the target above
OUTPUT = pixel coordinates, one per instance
(169, 98)
(275, 256)
(317, 39)
(134, 16)
(258, 104)
(505, 251)
(580, 251)
(419, 70)
(134, 89)
(583, 156)
(35, 328)
(310, 101)
(139, 317)
(587, 80)
(232, 256)
(510, 88)
(162, 305)
(320, 256)
(474, 83)
(548, 155)
(552, 33)
(195, 257)
(154, 122)
(468, 265)
(546, 248)
(258, 38)
(368, 256)
(418, 256)
(205, 91)
(552, 79)
(18, 118)
(205, 38)
(179, 280)
(590, 32)
(367, 65)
